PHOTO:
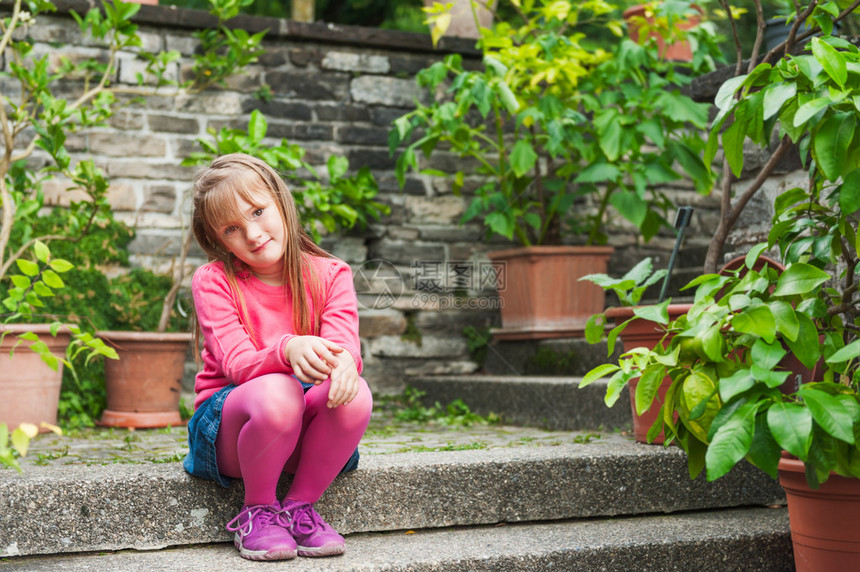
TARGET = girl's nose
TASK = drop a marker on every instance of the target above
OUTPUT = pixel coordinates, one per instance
(253, 232)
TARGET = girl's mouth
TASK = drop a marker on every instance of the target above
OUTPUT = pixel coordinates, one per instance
(262, 246)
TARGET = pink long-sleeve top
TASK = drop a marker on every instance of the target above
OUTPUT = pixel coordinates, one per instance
(230, 355)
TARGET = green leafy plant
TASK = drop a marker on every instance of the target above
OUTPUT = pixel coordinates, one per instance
(546, 121)
(331, 203)
(223, 50)
(45, 103)
(629, 289)
(15, 444)
(734, 394)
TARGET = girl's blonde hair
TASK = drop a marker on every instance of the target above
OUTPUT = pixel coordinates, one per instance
(216, 190)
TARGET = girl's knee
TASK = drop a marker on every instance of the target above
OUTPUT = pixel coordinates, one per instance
(272, 398)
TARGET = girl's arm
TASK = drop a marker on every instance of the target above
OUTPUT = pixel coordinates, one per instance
(226, 338)
(339, 316)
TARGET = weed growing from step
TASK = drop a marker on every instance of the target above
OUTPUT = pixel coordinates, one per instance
(409, 408)
(449, 447)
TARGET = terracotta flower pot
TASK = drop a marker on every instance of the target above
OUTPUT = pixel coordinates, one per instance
(462, 19)
(540, 294)
(29, 388)
(678, 51)
(144, 385)
(645, 334)
(824, 522)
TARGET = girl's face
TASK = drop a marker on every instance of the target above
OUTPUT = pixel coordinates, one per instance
(257, 237)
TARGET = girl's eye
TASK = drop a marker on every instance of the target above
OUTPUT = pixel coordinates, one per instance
(258, 212)
(229, 230)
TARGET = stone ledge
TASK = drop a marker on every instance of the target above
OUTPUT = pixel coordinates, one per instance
(550, 402)
(175, 17)
(745, 539)
(64, 509)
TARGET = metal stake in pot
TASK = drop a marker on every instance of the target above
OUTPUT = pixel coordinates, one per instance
(682, 220)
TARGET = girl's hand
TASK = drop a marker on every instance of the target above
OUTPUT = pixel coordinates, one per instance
(313, 358)
(344, 381)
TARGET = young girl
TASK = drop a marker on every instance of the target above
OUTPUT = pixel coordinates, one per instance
(280, 387)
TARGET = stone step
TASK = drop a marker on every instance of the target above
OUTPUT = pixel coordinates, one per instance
(738, 539)
(550, 402)
(75, 508)
(566, 356)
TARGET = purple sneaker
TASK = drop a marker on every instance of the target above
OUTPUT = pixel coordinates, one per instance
(314, 536)
(259, 535)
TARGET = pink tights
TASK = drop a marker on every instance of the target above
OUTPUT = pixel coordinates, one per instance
(269, 425)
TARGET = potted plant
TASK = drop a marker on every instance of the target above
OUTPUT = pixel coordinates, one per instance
(49, 104)
(643, 327)
(807, 19)
(666, 23)
(52, 103)
(550, 134)
(732, 390)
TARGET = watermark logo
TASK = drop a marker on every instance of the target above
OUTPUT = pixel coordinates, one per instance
(435, 284)
(378, 283)
(457, 275)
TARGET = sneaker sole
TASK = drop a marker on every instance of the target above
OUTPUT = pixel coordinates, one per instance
(283, 554)
(333, 549)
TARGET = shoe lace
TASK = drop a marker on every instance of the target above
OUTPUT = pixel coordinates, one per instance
(261, 515)
(304, 519)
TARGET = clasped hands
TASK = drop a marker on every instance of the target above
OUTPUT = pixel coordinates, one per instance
(316, 359)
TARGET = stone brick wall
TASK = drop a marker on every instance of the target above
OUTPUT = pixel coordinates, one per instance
(336, 90)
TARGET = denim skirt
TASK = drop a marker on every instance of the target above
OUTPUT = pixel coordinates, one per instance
(203, 430)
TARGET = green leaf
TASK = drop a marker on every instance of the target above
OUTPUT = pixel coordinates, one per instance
(614, 387)
(726, 94)
(791, 426)
(766, 355)
(594, 328)
(786, 319)
(849, 352)
(758, 320)
(809, 109)
(849, 192)
(257, 126)
(735, 384)
(769, 377)
(713, 343)
(764, 451)
(646, 388)
(731, 442)
(830, 144)
(597, 173)
(20, 441)
(831, 60)
(630, 205)
(800, 278)
(829, 413)
(598, 372)
(806, 347)
(658, 313)
(43, 253)
(21, 282)
(775, 96)
(28, 267)
(509, 100)
(60, 265)
(52, 279)
(523, 157)
(733, 146)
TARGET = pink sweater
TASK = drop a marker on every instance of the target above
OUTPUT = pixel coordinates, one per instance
(230, 356)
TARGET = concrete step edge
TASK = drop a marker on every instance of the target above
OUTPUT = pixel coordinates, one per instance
(552, 402)
(739, 539)
(79, 508)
